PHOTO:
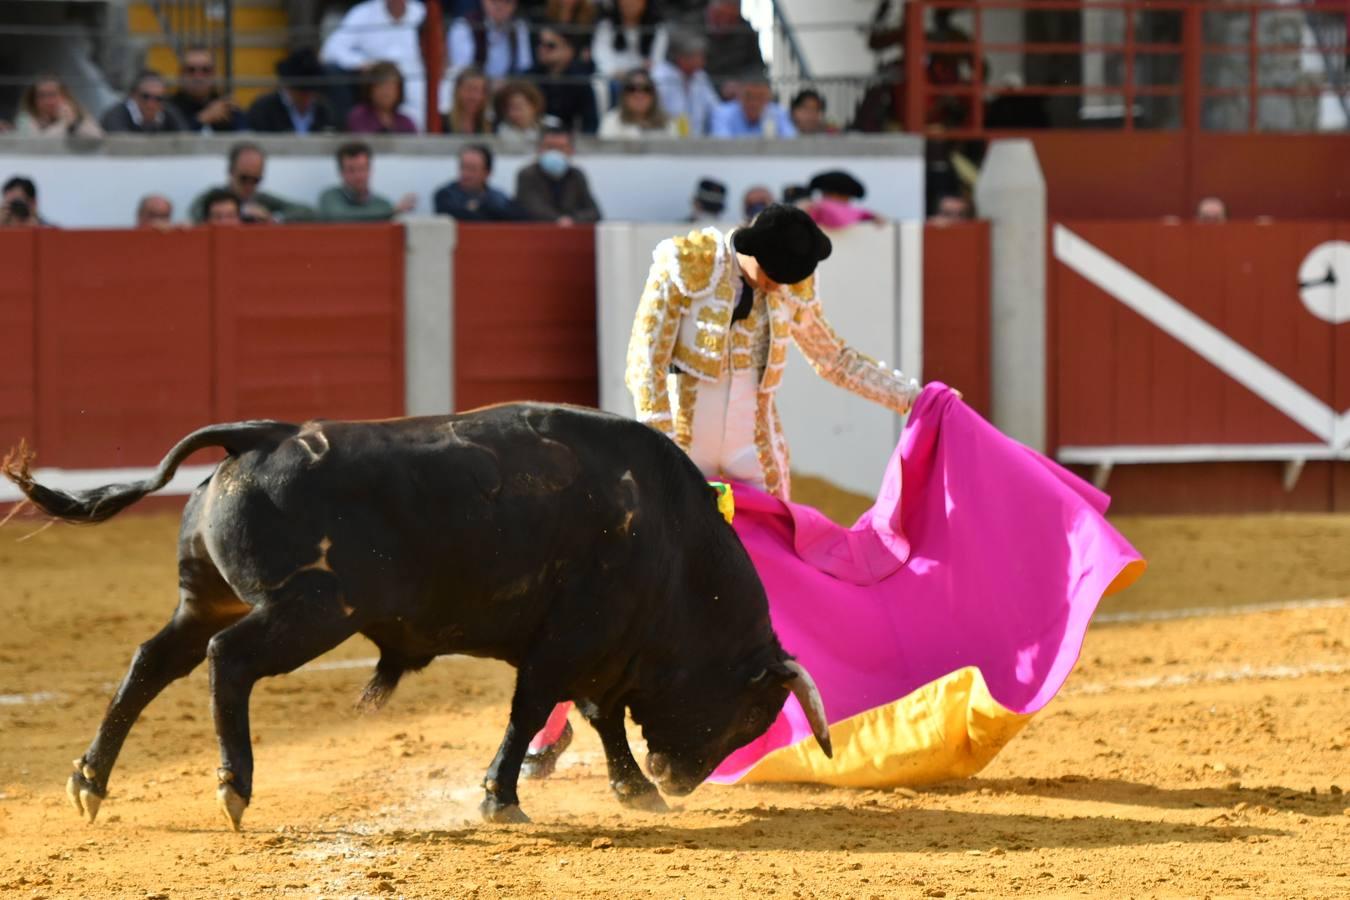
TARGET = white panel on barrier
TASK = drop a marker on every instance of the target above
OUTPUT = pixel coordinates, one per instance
(831, 432)
(102, 191)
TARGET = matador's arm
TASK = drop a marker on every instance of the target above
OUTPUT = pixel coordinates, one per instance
(839, 363)
(650, 348)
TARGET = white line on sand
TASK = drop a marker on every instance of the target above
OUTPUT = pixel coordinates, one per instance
(1214, 676)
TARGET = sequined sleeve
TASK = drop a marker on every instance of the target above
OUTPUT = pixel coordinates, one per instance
(649, 349)
(839, 363)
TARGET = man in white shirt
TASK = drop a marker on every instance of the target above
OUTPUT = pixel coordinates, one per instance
(687, 93)
(497, 42)
(376, 30)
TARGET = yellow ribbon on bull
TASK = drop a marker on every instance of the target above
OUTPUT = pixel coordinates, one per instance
(726, 502)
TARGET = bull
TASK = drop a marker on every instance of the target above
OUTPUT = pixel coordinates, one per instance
(582, 548)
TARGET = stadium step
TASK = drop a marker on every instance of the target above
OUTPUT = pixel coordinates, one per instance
(259, 42)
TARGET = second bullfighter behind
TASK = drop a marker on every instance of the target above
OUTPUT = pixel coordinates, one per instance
(583, 548)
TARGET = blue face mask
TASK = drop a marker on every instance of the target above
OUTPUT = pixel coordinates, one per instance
(754, 209)
(554, 163)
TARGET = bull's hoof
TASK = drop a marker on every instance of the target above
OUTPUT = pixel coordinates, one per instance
(541, 763)
(83, 793)
(643, 797)
(502, 814)
(231, 804)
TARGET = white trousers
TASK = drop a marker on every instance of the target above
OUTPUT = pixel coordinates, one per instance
(721, 438)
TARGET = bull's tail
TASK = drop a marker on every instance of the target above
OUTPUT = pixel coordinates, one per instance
(102, 503)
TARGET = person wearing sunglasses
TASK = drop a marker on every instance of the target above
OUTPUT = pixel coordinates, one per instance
(197, 99)
(246, 164)
(638, 113)
(565, 81)
(145, 110)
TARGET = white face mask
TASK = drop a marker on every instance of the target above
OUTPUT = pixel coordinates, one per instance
(554, 163)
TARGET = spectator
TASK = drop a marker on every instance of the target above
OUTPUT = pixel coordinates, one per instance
(796, 194)
(376, 31)
(469, 104)
(755, 201)
(353, 200)
(47, 109)
(573, 19)
(710, 200)
(952, 209)
(471, 198)
(808, 113)
(496, 41)
(834, 208)
(221, 207)
(564, 81)
(733, 46)
(631, 36)
(1015, 110)
(752, 114)
(295, 106)
(519, 107)
(197, 99)
(20, 204)
(639, 112)
(154, 211)
(685, 90)
(145, 110)
(552, 189)
(1211, 211)
(246, 164)
(378, 111)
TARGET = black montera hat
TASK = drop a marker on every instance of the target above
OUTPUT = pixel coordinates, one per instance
(785, 242)
(838, 182)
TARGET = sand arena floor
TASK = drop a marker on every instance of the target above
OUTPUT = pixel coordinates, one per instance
(1202, 755)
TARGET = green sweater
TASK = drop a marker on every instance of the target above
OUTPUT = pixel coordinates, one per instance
(336, 205)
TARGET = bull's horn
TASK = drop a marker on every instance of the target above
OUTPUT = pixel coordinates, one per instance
(808, 695)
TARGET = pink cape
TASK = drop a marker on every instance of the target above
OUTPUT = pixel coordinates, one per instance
(992, 557)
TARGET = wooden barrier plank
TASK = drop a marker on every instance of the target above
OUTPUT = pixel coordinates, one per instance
(525, 315)
(18, 323)
(124, 362)
(309, 322)
(956, 310)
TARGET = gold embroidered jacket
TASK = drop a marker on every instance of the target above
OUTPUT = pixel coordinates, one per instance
(684, 320)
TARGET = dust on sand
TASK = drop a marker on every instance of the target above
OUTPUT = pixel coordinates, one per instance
(1194, 756)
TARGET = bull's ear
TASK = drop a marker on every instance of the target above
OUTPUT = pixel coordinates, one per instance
(803, 687)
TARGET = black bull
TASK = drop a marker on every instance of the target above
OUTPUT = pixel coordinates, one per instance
(582, 548)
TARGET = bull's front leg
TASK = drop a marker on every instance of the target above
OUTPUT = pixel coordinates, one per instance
(529, 711)
(625, 776)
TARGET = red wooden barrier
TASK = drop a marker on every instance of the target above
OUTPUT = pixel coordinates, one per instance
(18, 309)
(1124, 378)
(120, 342)
(525, 315)
(956, 310)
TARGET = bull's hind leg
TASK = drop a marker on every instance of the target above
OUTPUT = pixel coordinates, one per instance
(625, 776)
(205, 606)
(306, 618)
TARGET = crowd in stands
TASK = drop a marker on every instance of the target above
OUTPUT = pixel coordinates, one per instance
(617, 69)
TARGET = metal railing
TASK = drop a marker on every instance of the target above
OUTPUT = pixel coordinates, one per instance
(1211, 75)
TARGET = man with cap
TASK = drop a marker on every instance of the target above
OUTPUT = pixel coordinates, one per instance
(708, 350)
(834, 207)
(296, 105)
(710, 199)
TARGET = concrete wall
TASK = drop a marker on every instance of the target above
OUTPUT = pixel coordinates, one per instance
(636, 182)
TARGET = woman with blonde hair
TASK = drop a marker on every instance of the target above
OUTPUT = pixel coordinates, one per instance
(519, 107)
(638, 113)
(47, 109)
(469, 105)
